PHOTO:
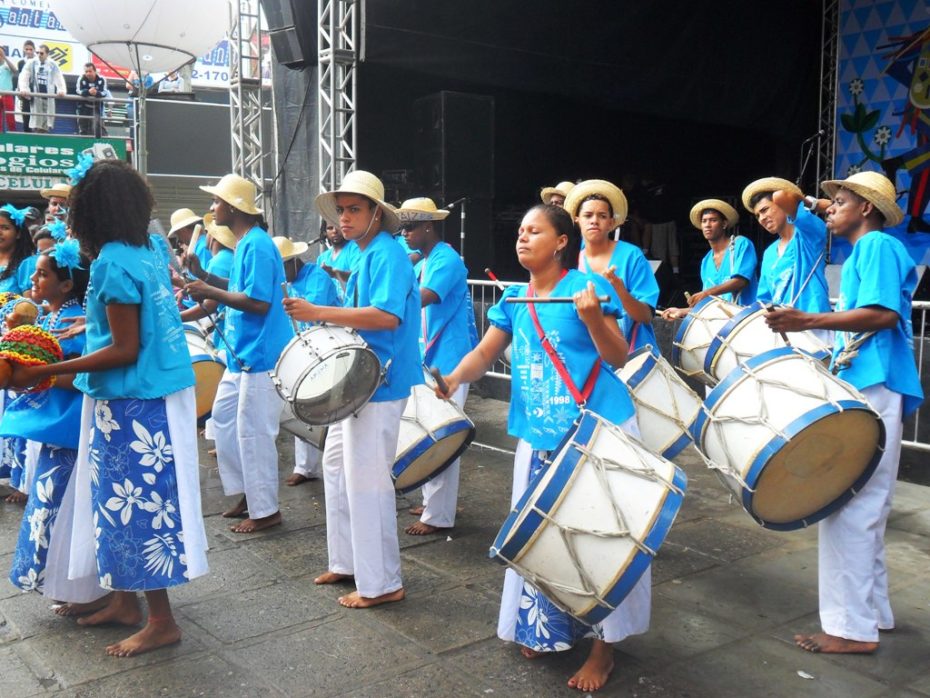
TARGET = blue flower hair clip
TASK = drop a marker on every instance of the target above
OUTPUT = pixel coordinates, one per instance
(58, 230)
(76, 173)
(17, 215)
(67, 255)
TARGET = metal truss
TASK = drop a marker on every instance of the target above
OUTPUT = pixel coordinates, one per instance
(245, 91)
(338, 31)
(829, 41)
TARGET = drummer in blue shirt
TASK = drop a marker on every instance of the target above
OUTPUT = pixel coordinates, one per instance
(339, 259)
(183, 222)
(448, 332)
(598, 207)
(874, 352)
(383, 304)
(728, 270)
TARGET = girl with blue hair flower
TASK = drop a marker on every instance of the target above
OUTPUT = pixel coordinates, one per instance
(16, 249)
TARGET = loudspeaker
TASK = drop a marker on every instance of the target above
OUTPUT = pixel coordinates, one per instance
(455, 145)
(292, 29)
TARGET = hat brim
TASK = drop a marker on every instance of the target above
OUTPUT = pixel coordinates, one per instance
(55, 191)
(716, 204)
(411, 215)
(297, 249)
(768, 184)
(326, 205)
(183, 224)
(608, 190)
(548, 192)
(890, 209)
(249, 208)
(224, 237)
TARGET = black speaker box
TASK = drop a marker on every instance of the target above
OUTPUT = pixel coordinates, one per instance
(292, 30)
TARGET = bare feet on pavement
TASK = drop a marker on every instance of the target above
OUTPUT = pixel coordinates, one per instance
(238, 510)
(333, 578)
(123, 609)
(416, 511)
(16, 497)
(355, 600)
(81, 609)
(155, 634)
(298, 479)
(422, 529)
(255, 525)
(831, 644)
(594, 673)
(530, 653)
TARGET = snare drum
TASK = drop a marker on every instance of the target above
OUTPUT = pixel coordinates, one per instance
(746, 335)
(433, 433)
(695, 334)
(665, 406)
(209, 366)
(590, 523)
(791, 440)
(326, 373)
(315, 436)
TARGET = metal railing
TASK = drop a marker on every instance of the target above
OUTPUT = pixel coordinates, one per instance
(109, 111)
(487, 293)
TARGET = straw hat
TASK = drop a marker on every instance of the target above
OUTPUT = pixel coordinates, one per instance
(182, 218)
(609, 191)
(288, 248)
(875, 188)
(420, 209)
(58, 189)
(562, 188)
(365, 184)
(220, 233)
(236, 191)
(722, 206)
(768, 184)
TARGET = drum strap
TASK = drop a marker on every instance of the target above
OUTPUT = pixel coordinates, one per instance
(580, 396)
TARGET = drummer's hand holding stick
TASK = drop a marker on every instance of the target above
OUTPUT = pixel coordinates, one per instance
(787, 319)
(673, 313)
(475, 363)
(695, 298)
(300, 310)
(636, 309)
(788, 202)
(604, 330)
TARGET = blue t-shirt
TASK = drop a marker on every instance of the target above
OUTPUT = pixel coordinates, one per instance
(803, 260)
(633, 269)
(879, 271)
(258, 272)
(346, 261)
(164, 250)
(128, 275)
(202, 251)
(739, 260)
(20, 280)
(50, 416)
(541, 407)
(383, 278)
(220, 265)
(446, 327)
(315, 285)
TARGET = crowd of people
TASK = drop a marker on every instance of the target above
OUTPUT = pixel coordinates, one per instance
(112, 498)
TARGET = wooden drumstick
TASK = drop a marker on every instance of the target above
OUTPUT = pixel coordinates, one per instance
(551, 299)
(195, 236)
(288, 295)
(770, 308)
(440, 381)
(494, 278)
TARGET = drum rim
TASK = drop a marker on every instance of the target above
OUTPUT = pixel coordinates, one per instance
(639, 375)
(685, 324)
(679, 444)
(297, 338)
(422, 446)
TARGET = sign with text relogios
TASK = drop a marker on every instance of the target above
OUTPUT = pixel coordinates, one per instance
(34, 161)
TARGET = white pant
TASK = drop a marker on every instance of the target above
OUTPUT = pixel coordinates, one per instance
(631, 617)
(361, 511)
(246, 415)
(308, 460)
(441, 494)
(853, 579)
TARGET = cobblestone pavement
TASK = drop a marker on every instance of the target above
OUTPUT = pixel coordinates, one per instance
(728, 596)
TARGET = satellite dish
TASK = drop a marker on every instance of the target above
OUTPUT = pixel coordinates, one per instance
(148, 35)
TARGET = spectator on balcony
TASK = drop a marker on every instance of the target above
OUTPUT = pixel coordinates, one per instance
(93, 87)
(25, 105)
(172, 82)
(7, 73)
(42, 76)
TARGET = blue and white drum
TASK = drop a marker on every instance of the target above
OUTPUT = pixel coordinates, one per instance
(746, 335)
(792, 441)
(695, 334)
(433, 433)
(590, 523)
(665, 406)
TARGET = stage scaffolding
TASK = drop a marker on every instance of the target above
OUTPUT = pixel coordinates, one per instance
(245, 91)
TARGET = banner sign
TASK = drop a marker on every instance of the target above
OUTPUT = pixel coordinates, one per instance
(883, 107)
(32, 161)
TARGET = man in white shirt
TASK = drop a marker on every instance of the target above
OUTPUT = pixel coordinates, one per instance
(42, 75)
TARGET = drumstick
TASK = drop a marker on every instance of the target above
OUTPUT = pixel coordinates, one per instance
(770, 308)
(195, 236)
(494, 278)
(551, 299)
(288, 295)
(440, 381)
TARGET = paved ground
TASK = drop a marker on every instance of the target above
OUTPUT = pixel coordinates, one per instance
(728, 596)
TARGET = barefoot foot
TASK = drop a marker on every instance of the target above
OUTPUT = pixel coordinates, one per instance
(423, 529)
(594, 673)
(16, 497)
(155, 634)
(831, 644)
(333, 578)
(81, 609)
(355, 600)
(237, 511)
(530, 653)
(298, 479)
(254, 525)
(123, 609)
(416, 511)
